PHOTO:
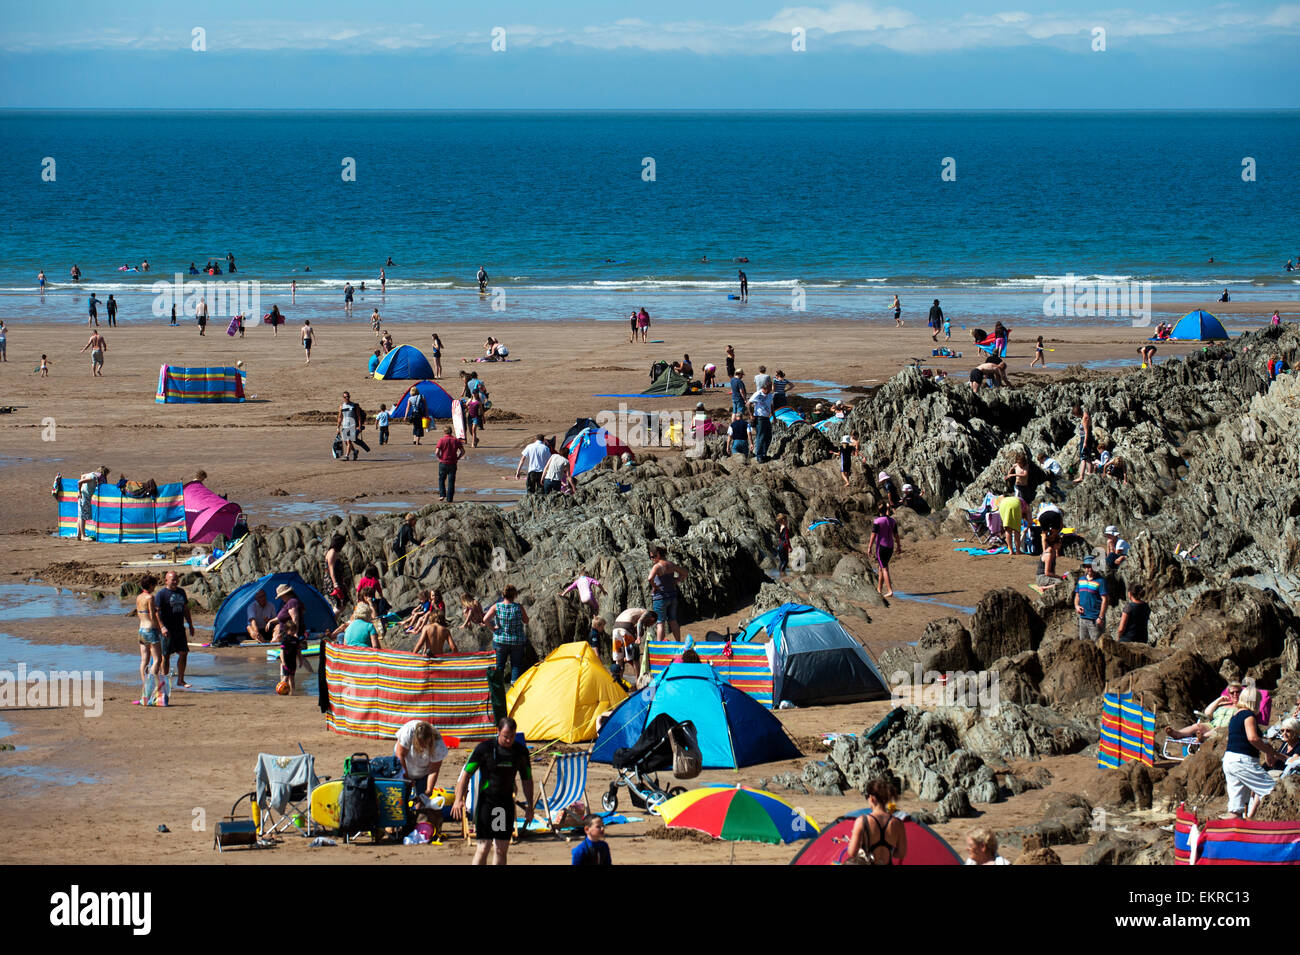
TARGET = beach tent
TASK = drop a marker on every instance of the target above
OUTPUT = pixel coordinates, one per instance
(590, 447)
(1198, 326)
(121, 519)
(406, 362)
(813, 658)
(561, 697)
(436, 400)
(177, 385)
(924, 845)
(669, 384)
(232, 617)
(1234, 841)
(579, 425)
(787, 416)
(208, 515)
(733, 729)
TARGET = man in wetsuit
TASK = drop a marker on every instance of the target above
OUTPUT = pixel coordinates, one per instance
(744, 286)
(482, 279)
(497, 760)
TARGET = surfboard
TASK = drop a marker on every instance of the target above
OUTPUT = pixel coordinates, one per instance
(312, 650)
(327, 799)
(458, 418)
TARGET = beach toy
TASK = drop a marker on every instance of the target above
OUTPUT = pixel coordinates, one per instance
(282, 688)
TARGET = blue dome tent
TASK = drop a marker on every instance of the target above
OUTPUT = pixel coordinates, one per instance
(232, 618)
(732, 728)
(1198, 326)
(436, 400)
(404, 361)
(813, 658)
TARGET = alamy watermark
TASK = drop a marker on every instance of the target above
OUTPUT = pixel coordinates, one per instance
(1071, 297)
(225, 299)
(970, 688)
(38, 689)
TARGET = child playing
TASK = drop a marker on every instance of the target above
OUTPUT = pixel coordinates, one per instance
(381, 419)
(44, 368)
(1038, 354)
(947, 330)
(593, 850)
(586, 587)
(290, 646)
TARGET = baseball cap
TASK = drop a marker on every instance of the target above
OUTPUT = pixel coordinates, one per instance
(1112, 531)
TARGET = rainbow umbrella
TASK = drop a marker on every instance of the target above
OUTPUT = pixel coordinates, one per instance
(739, 814)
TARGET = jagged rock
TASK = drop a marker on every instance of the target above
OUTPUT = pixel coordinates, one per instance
(956, 805)
(1119, 848)
(1198, 778)
(1128, 787)
(1003, 625)
(1038, 857)
(1019, 677)
(1072, 670)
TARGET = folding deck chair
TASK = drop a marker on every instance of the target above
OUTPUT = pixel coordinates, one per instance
(570, 772)
(284, 788)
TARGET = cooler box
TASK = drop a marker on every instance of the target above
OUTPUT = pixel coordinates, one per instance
(392, 794)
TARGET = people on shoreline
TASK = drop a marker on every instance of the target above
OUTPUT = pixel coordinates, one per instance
(935, 320)
(436, 350)
(744, 285)
(897, 306)
(97, 346)
(1038, 354)
(308, 338)
(174, 614)
(151, 650)
(643, 324)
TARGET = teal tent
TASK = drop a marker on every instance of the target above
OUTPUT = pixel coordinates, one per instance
(1198, 326)
(732, 728)
(813, 658)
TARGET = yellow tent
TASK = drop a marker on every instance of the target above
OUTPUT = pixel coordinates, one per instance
(562, 696)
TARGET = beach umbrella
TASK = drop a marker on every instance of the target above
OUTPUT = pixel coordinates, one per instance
(738, 814)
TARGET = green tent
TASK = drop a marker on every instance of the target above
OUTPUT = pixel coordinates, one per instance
(668, 385)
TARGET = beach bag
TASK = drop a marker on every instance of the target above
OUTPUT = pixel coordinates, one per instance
(687, 761)
(337, 448)
(359, 804)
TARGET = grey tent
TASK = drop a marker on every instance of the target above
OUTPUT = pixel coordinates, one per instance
(814, 659)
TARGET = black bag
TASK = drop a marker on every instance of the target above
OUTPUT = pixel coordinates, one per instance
(359, 806)
(386, 767)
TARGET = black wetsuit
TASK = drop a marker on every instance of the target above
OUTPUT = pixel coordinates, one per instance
(494, 815)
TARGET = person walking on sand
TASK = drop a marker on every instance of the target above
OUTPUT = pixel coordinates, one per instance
(897, 306)
(348, 424)
(631, 335)
(744, 285)
(643, 324)
(498, 760)
(1038, 354)
(276, 319)
(150, 636)
(883, 542)
(201, 313)
(664, 579)
(111, 306)
(97, 346)
(415, 411)
(375, 322)
(450, 450)
(174, 614)
(936, 320)
(308, 337)
(878, 837)
(92, 313)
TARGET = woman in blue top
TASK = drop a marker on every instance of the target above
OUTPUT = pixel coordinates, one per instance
(360, 630)
(1248, 782)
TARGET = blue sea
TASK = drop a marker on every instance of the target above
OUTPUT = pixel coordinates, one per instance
(561, 209)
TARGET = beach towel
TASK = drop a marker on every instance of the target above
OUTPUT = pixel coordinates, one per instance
(981, 552)
(1128, 732)
(1234, 841)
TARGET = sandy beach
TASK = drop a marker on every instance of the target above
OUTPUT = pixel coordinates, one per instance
(97, 789)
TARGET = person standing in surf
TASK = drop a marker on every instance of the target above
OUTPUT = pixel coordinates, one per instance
(744, 285)
(482, 279)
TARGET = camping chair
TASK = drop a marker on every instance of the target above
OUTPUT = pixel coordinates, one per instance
(1178, 748)
(284, 788)
(570, 771)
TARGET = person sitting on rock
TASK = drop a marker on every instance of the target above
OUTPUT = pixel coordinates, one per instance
(982, 848)
(1217, 715)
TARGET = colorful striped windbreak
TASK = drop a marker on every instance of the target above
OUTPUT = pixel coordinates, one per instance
(373, 692)
(118, 519)
(194, 385)
(1128, 732)
(747, 668)
(1235, 841)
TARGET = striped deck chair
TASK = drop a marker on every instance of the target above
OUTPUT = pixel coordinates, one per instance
(570, 772)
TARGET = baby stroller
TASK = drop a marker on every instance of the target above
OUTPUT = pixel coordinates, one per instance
(664, 744)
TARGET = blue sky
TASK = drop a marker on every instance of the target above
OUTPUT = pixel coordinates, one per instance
(669, 54)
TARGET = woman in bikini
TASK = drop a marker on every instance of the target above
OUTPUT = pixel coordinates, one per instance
(879, 837)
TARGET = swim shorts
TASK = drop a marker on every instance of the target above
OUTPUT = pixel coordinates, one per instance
(149, 635)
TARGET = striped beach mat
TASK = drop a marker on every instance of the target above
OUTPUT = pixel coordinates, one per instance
(373, 692)
(1128, 732)
(177, 385)
(1234, 841)
(747, 668)
(118, 519)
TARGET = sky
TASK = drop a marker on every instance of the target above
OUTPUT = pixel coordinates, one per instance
(579, 54)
